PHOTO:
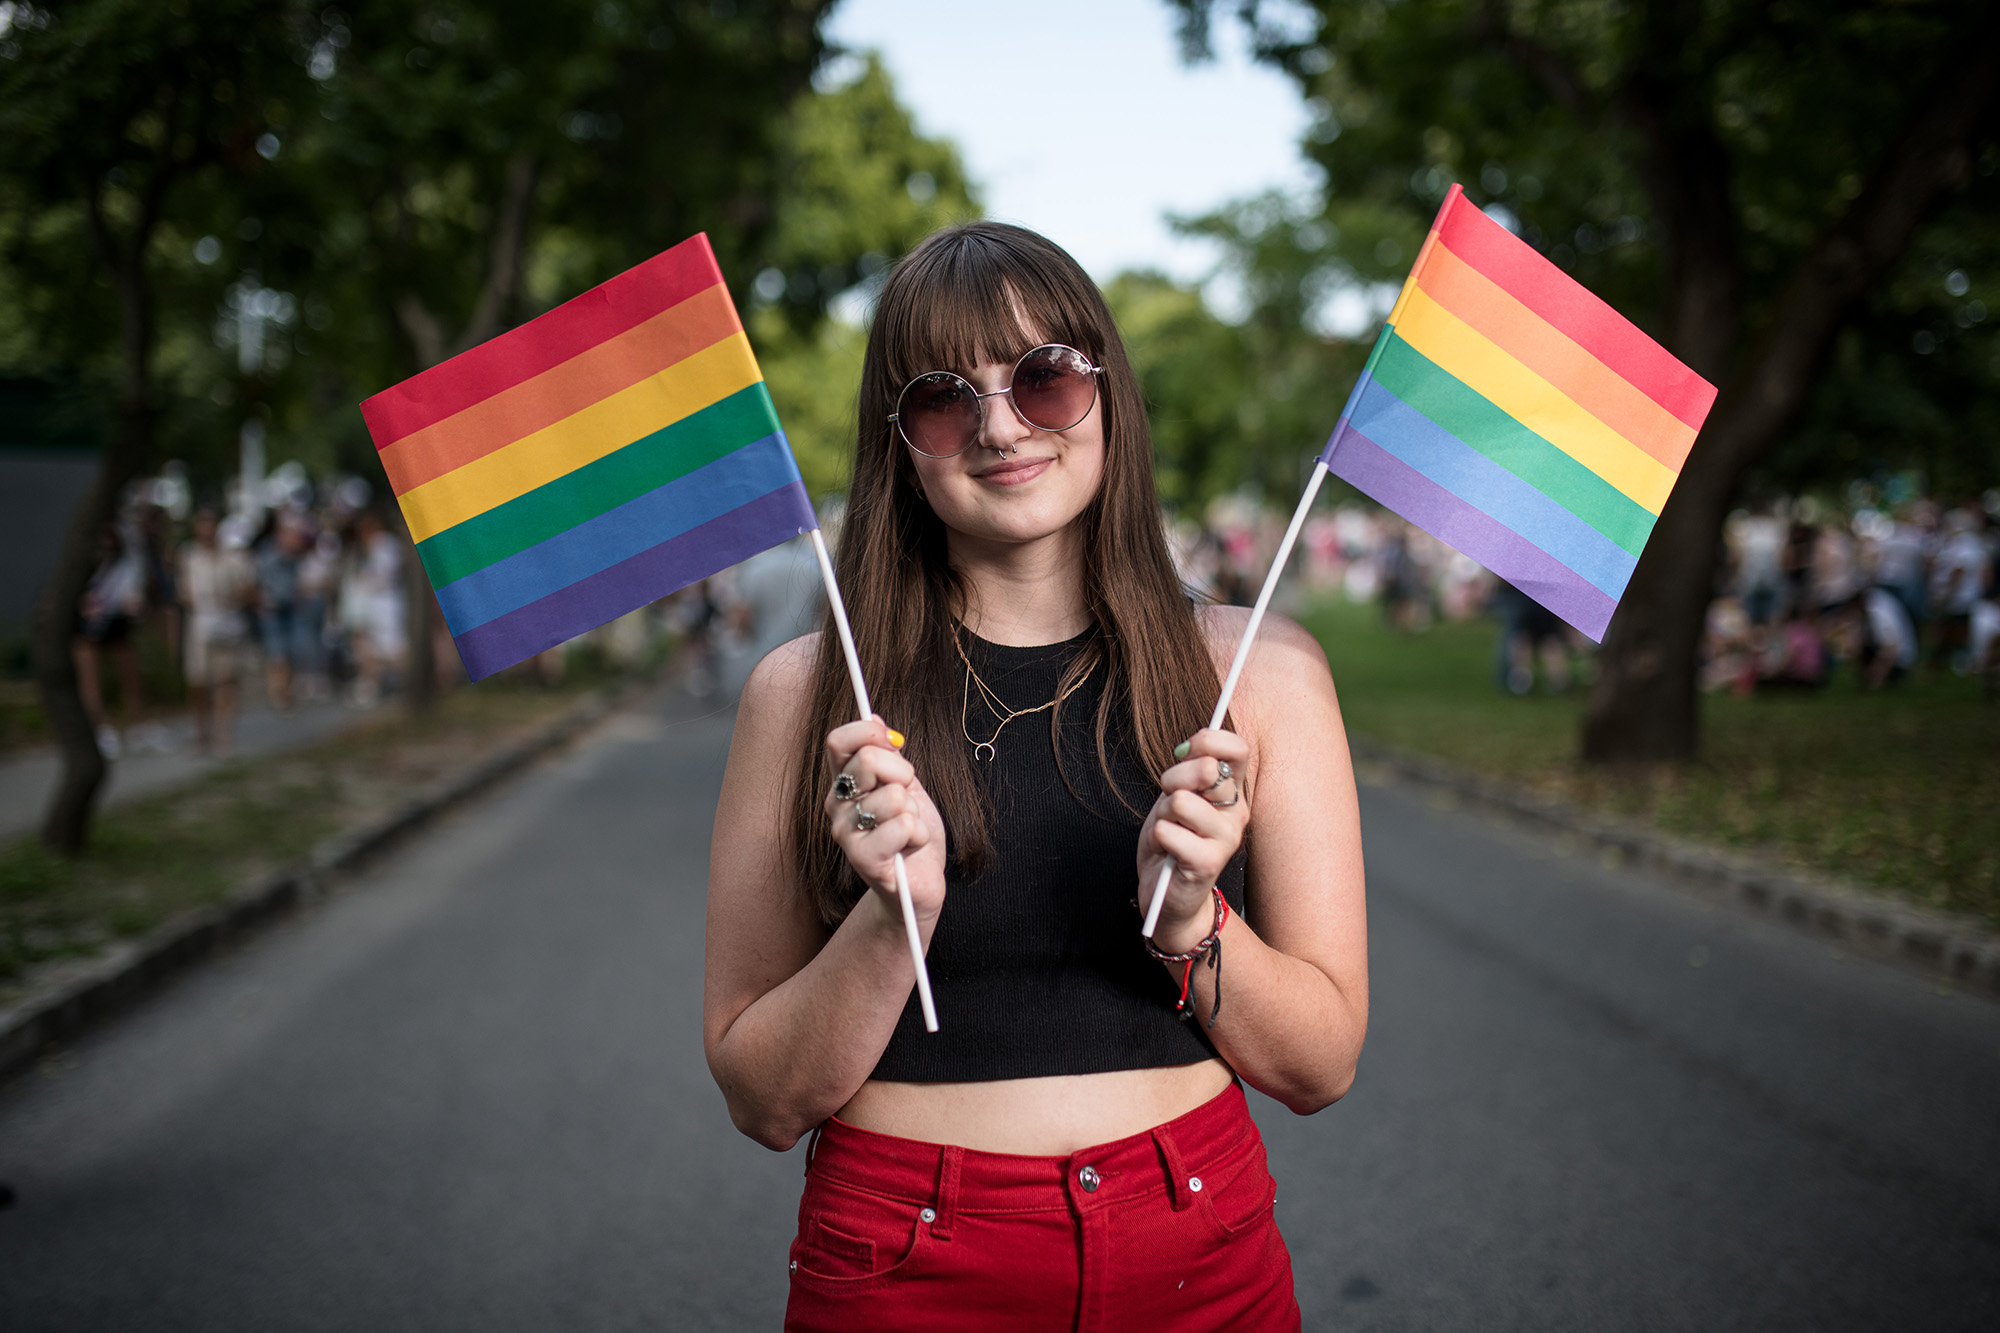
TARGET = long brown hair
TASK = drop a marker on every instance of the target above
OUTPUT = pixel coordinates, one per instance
(986, 291)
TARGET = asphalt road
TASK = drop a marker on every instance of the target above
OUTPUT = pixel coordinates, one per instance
(468, 1093)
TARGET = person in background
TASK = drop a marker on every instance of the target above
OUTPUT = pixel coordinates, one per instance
(277, 564)
(106, 621)
(216, 583)
(1961, 575)
(372, 607)
(319, 579)
(1758, 540)
(1529, 632)
(1903, 555)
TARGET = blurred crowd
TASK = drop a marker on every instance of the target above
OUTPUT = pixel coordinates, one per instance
(1803, 590)
(307, 592)
(1882, 590)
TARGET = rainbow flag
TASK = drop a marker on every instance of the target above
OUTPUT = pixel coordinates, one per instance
(1514, 416)
(590, 461)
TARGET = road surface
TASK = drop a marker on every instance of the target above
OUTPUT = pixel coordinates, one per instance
(468, 1093)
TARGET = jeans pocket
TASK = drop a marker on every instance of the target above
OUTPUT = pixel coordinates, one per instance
(1239, 1191)
(852, 1240)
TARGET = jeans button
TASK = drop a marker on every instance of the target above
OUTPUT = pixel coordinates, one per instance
(928, 1214)
(1089, 1179)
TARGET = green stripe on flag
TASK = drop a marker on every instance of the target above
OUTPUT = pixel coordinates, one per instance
(1469, 415)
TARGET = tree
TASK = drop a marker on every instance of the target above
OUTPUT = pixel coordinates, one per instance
(1743, 179)
(109, 110)
(1240, 405)
(861, 187)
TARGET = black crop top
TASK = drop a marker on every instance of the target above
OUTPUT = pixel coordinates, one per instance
(1036, 965)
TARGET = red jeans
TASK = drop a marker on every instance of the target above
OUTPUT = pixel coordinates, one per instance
(1170, 1229)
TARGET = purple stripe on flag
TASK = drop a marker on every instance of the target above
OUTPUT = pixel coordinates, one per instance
(1358, 460)
(630, 584)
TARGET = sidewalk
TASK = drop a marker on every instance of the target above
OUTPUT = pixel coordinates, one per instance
(27, 778)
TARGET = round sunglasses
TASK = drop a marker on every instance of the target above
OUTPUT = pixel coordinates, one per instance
(940, 414)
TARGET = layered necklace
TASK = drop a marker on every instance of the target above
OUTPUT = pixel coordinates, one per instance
(992, 702)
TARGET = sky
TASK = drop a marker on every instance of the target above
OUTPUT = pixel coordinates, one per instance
(1080, 120)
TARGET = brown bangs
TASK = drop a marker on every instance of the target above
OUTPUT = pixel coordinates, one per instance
(979, 303)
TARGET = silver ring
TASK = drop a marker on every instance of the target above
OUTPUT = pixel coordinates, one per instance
(864, 820)
(1224, 773)
(845, 788)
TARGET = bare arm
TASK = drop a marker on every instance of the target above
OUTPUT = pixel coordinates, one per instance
(795, 1017)
(1295, 975)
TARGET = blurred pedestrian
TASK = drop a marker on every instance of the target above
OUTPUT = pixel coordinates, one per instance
(372, 607)
(1757, 541)
(106, 624)
(1530, 633)
(216, 584)
(1961, 576)
(279, 621)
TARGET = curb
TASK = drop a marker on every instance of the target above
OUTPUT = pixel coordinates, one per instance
(114, 981)
(1937, 944)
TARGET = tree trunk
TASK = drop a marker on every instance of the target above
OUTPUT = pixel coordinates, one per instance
(66, 826)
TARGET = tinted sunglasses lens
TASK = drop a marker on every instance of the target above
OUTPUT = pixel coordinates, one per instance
(939, 414)
(1054, 387)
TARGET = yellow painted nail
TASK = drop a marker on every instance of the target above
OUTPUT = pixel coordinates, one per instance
(895, 738)
(1181, 750)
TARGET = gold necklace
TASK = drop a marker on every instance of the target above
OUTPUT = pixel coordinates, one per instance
(994, 703)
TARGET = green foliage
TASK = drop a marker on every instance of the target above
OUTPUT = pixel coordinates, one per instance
(861, 187)
(1240, 406)
(813, 377)
(1539, 108)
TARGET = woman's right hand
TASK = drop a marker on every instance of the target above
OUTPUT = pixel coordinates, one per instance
(905, 820)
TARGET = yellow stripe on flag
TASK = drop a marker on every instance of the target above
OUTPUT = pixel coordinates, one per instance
(581, 438)
(1483, 367)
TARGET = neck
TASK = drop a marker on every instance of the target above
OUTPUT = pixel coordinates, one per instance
(1023, 594)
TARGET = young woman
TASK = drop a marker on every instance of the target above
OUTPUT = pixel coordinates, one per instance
(1073, 1148)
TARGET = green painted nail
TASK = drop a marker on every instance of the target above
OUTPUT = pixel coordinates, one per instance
(1180, 751)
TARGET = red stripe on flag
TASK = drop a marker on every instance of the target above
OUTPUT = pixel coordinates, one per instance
(576, 326)
(1512, 264)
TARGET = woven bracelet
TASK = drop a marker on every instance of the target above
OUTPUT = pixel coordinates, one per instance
(1210, 945)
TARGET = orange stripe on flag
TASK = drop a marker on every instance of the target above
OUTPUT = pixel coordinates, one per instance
(673, 335)
(1557, 358)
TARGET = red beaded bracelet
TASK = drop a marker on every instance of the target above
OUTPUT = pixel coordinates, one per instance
(1210, 945)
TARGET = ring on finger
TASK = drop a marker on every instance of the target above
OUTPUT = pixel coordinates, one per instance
(1224, 773)
(864, 819)
(845, 788)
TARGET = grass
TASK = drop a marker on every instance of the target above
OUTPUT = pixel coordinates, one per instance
(152, 859)
(1897, 791)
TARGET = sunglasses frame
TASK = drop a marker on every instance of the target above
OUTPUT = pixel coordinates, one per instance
(979, 400)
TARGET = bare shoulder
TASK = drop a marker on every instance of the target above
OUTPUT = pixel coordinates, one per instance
(776, 695)
(1285, 649)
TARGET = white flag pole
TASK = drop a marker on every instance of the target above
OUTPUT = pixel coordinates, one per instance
(1242, 654)
(861, 701)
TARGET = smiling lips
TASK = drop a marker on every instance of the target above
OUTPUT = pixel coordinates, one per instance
(1014, 471)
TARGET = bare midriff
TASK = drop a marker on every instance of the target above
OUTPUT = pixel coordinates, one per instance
(1038, 1117)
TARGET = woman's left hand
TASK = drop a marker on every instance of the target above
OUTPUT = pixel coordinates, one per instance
(1199, 822)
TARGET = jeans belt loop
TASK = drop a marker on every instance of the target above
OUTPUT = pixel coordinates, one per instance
(950, 1162)
(1177, 1173)
(812, 1146)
